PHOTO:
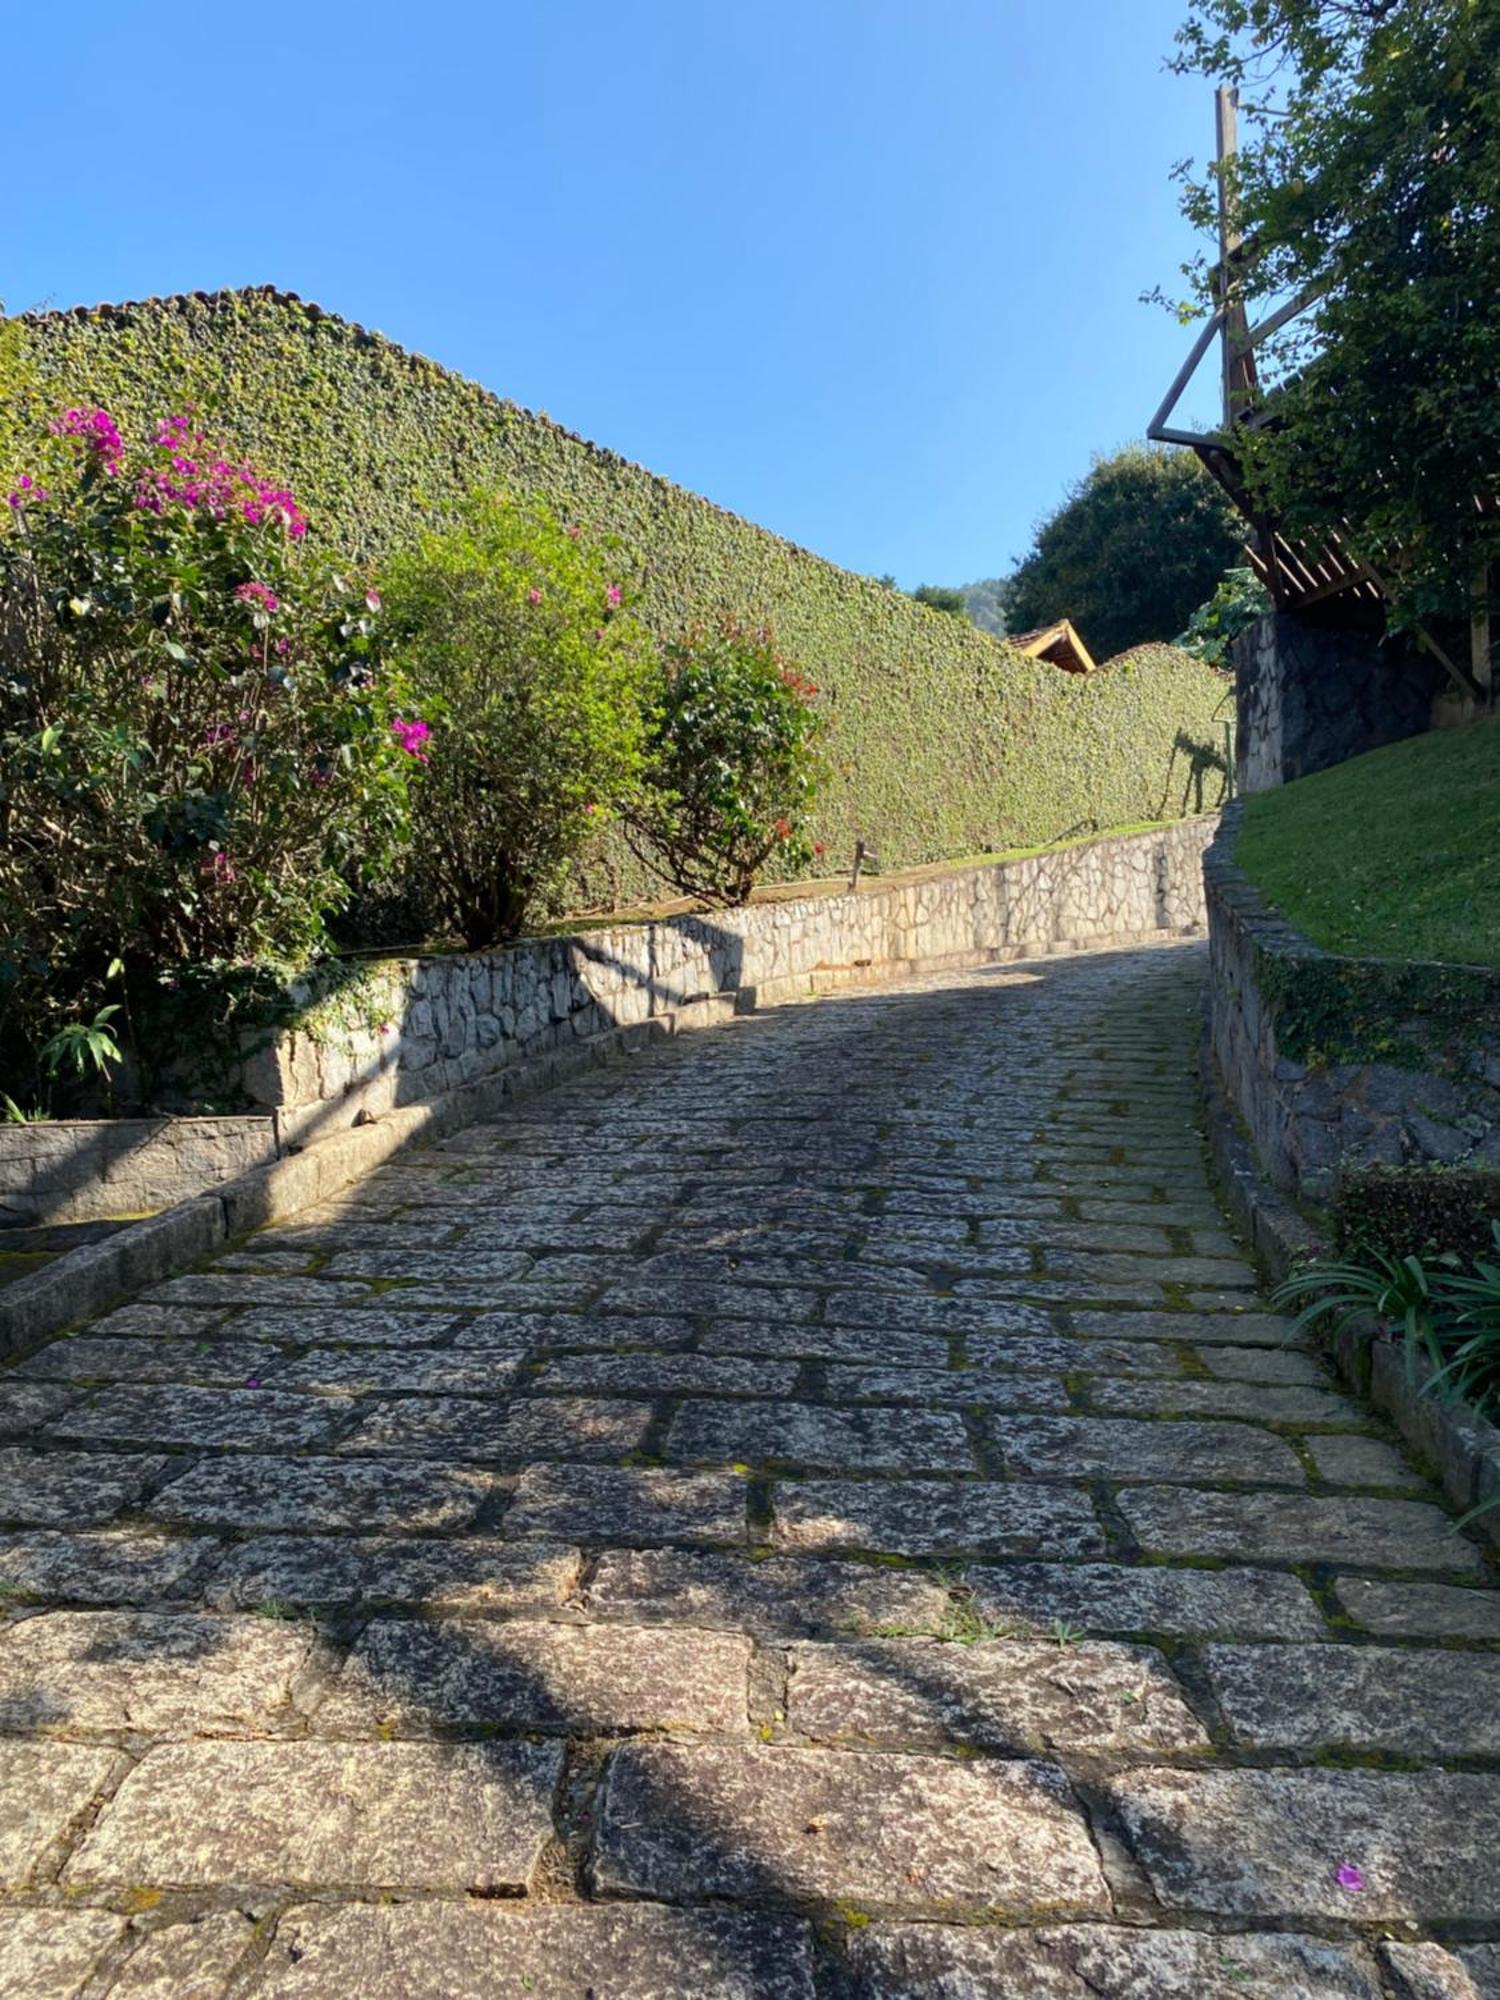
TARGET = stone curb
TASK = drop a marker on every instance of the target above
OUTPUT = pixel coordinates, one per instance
(1458, 1445)
(88, 1281)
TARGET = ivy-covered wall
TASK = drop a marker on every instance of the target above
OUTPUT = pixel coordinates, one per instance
(945, 742)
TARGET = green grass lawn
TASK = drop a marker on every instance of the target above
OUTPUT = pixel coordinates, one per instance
(1392, 855)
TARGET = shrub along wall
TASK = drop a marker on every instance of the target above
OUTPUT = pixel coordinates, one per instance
(944, 741)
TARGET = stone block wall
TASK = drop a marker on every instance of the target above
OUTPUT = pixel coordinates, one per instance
(1308, 698)
(411, 1029)
(86, 1169)
(404, 1032)
(1333, 1060)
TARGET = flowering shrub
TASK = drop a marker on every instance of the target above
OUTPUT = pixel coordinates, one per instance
(733, 762)
(514, 636)
(196, 748)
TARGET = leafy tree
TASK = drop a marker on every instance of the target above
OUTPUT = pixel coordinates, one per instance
(987, 602)
(529, 674)
(1369, 175)
(732, 765)
(1132, 552)
(1239, 600)
(937, 597)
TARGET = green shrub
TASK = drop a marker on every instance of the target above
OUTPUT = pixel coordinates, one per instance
(529, 676)
(196, 747)
(1417, 1211)
(1239, 601)
(732, 765)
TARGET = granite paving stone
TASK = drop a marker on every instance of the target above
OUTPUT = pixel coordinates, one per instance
(950, 1388)
(144, 1673)
(48, 1954)
(623, 1504)
(367, 1326)
(1288, 1365)
(193, 1960)
(46, 1789)
(1270, 1844)
(458, 1817)
(881, 1830)
(665, 1375)
(1114, 1448)
(1178, 1603)
(1419, 1610)
(418, 1371)
(1229, 1329)
(889, 1347)
(477, 1574)
(817, 1508)
(173, 1413)
(71, 1489)
(26, 1405)
(1363, 1461)
(217, 1360)
(871, 1440)
(1431, 1705)
(103, 1565)
(1251, 1527)
(306, 1495)
(462, 1427)
(628, 1951)
(769, 1597)
(919, 1517)
(1254, 1402)
(418, 1677)
(1024, 1698)
(1103, 1962)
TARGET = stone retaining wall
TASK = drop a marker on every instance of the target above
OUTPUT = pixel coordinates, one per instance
(406, 1032)
(1308, 697)
(85, 1169)
(414, 1028)
(1332, 1060)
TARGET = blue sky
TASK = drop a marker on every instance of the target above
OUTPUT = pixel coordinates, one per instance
(864, 270)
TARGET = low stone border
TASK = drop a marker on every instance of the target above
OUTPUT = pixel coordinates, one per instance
(70, 1170)
(1334, 1061)
(1458, 1445)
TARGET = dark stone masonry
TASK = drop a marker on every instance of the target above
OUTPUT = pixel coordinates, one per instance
(820, 1509)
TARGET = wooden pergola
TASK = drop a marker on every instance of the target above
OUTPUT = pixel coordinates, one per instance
(1296, 574)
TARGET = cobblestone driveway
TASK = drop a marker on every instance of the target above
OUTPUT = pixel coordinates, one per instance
(819, 1509)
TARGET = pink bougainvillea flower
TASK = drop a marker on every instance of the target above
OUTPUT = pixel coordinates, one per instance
(411, 736)
(98, 430)
(1349, 1877)
(221, 867)
(590, 810)
(260, 594)
(613, 594)
(26, 489)
(533, 596)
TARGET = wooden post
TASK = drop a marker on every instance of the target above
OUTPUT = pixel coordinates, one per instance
(1238, 371)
